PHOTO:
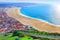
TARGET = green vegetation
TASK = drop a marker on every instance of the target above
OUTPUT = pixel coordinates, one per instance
(16, 33)
(40, 33)
(10, 37)
(21, 35)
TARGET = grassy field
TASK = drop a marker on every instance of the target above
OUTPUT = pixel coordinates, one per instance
(10, 37)
(18, 35)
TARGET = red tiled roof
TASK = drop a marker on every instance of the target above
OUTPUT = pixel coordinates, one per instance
(9, 23)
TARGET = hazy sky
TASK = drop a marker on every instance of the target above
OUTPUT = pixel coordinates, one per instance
(29, 0)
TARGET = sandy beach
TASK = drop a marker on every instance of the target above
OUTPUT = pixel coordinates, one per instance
(35, 23)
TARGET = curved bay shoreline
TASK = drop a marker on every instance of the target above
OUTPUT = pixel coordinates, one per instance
(37, 24)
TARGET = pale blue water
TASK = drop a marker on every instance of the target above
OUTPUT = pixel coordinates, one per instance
(42, 11)
(4, 5)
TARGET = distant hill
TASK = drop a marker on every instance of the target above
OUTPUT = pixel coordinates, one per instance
(16, 4)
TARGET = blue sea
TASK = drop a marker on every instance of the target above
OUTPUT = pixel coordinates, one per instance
(41, 11)
(4, 5)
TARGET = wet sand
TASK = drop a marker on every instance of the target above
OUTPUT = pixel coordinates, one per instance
(35, 23)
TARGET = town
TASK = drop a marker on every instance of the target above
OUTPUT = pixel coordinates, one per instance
(8, 24)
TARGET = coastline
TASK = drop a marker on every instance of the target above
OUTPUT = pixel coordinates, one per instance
(38, 24)
(36, 18)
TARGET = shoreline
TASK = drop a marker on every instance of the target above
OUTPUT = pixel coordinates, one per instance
(36, 18)
(35, 23)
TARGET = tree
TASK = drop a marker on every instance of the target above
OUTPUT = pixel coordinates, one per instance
(16, 33)
(17, 39)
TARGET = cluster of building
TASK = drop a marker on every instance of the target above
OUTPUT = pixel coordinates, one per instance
(8, 24)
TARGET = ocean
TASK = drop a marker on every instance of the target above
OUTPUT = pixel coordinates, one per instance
(41, 11)
(6, 5)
